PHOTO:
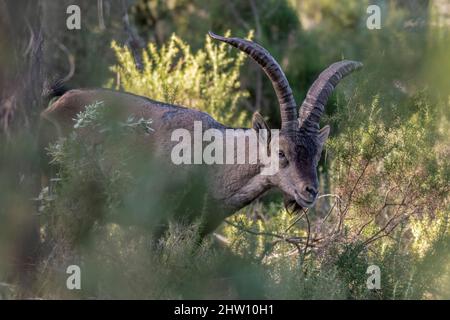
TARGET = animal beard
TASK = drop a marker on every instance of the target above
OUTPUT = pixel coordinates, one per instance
(291, 206)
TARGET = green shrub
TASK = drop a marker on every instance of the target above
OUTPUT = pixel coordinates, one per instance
(207, 80)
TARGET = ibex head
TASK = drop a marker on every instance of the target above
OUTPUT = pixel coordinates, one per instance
(300, 140)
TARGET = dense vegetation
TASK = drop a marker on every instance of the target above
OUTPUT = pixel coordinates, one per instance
(385, 171)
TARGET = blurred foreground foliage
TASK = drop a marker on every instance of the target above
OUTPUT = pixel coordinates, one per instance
(384, 175)
(384, 203)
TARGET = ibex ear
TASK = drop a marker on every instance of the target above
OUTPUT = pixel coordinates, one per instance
(323, 134)
(258, 124)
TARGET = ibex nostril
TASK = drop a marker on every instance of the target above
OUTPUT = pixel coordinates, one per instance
(312, 191)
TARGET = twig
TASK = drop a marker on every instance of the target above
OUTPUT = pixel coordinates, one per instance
(329, 211)
(296, 220)
(101, 20)
(236, 15)
(70, 59)
(295, 241)
(308, 237)
(256, 233)
(134, 41)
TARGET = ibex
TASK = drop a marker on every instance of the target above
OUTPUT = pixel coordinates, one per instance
(233, 186)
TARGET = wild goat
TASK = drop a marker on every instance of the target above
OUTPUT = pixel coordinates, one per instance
(230, 187)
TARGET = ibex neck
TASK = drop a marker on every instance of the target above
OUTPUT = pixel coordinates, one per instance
(251, 190)
(238, 185)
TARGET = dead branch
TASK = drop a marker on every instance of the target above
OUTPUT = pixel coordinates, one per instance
(134, 42)
(101, 20)
(70, 60)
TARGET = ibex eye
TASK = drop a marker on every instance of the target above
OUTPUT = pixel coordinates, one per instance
(281, 154)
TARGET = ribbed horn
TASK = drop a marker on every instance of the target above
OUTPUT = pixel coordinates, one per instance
(314, 104)
(288, 108)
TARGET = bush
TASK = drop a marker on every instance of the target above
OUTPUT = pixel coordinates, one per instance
(207, 80)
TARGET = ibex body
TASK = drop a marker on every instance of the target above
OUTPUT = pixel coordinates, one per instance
(232, 186)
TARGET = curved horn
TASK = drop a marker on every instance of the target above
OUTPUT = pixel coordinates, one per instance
(317, 96)
(288, 108)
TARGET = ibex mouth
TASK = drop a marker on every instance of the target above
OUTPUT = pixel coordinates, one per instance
(292, 206)
(302, 201)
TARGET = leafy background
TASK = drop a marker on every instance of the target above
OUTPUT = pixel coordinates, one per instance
(384, 174)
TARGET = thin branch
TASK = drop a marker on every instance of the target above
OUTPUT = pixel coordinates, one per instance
(101, 20)
(296, 220)
(329, 212)
(236, 15)
(256, 233)
(256, 17)
(293, 239)
(309, 235)
(134, 41)
(258, 34)
(71, 61)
